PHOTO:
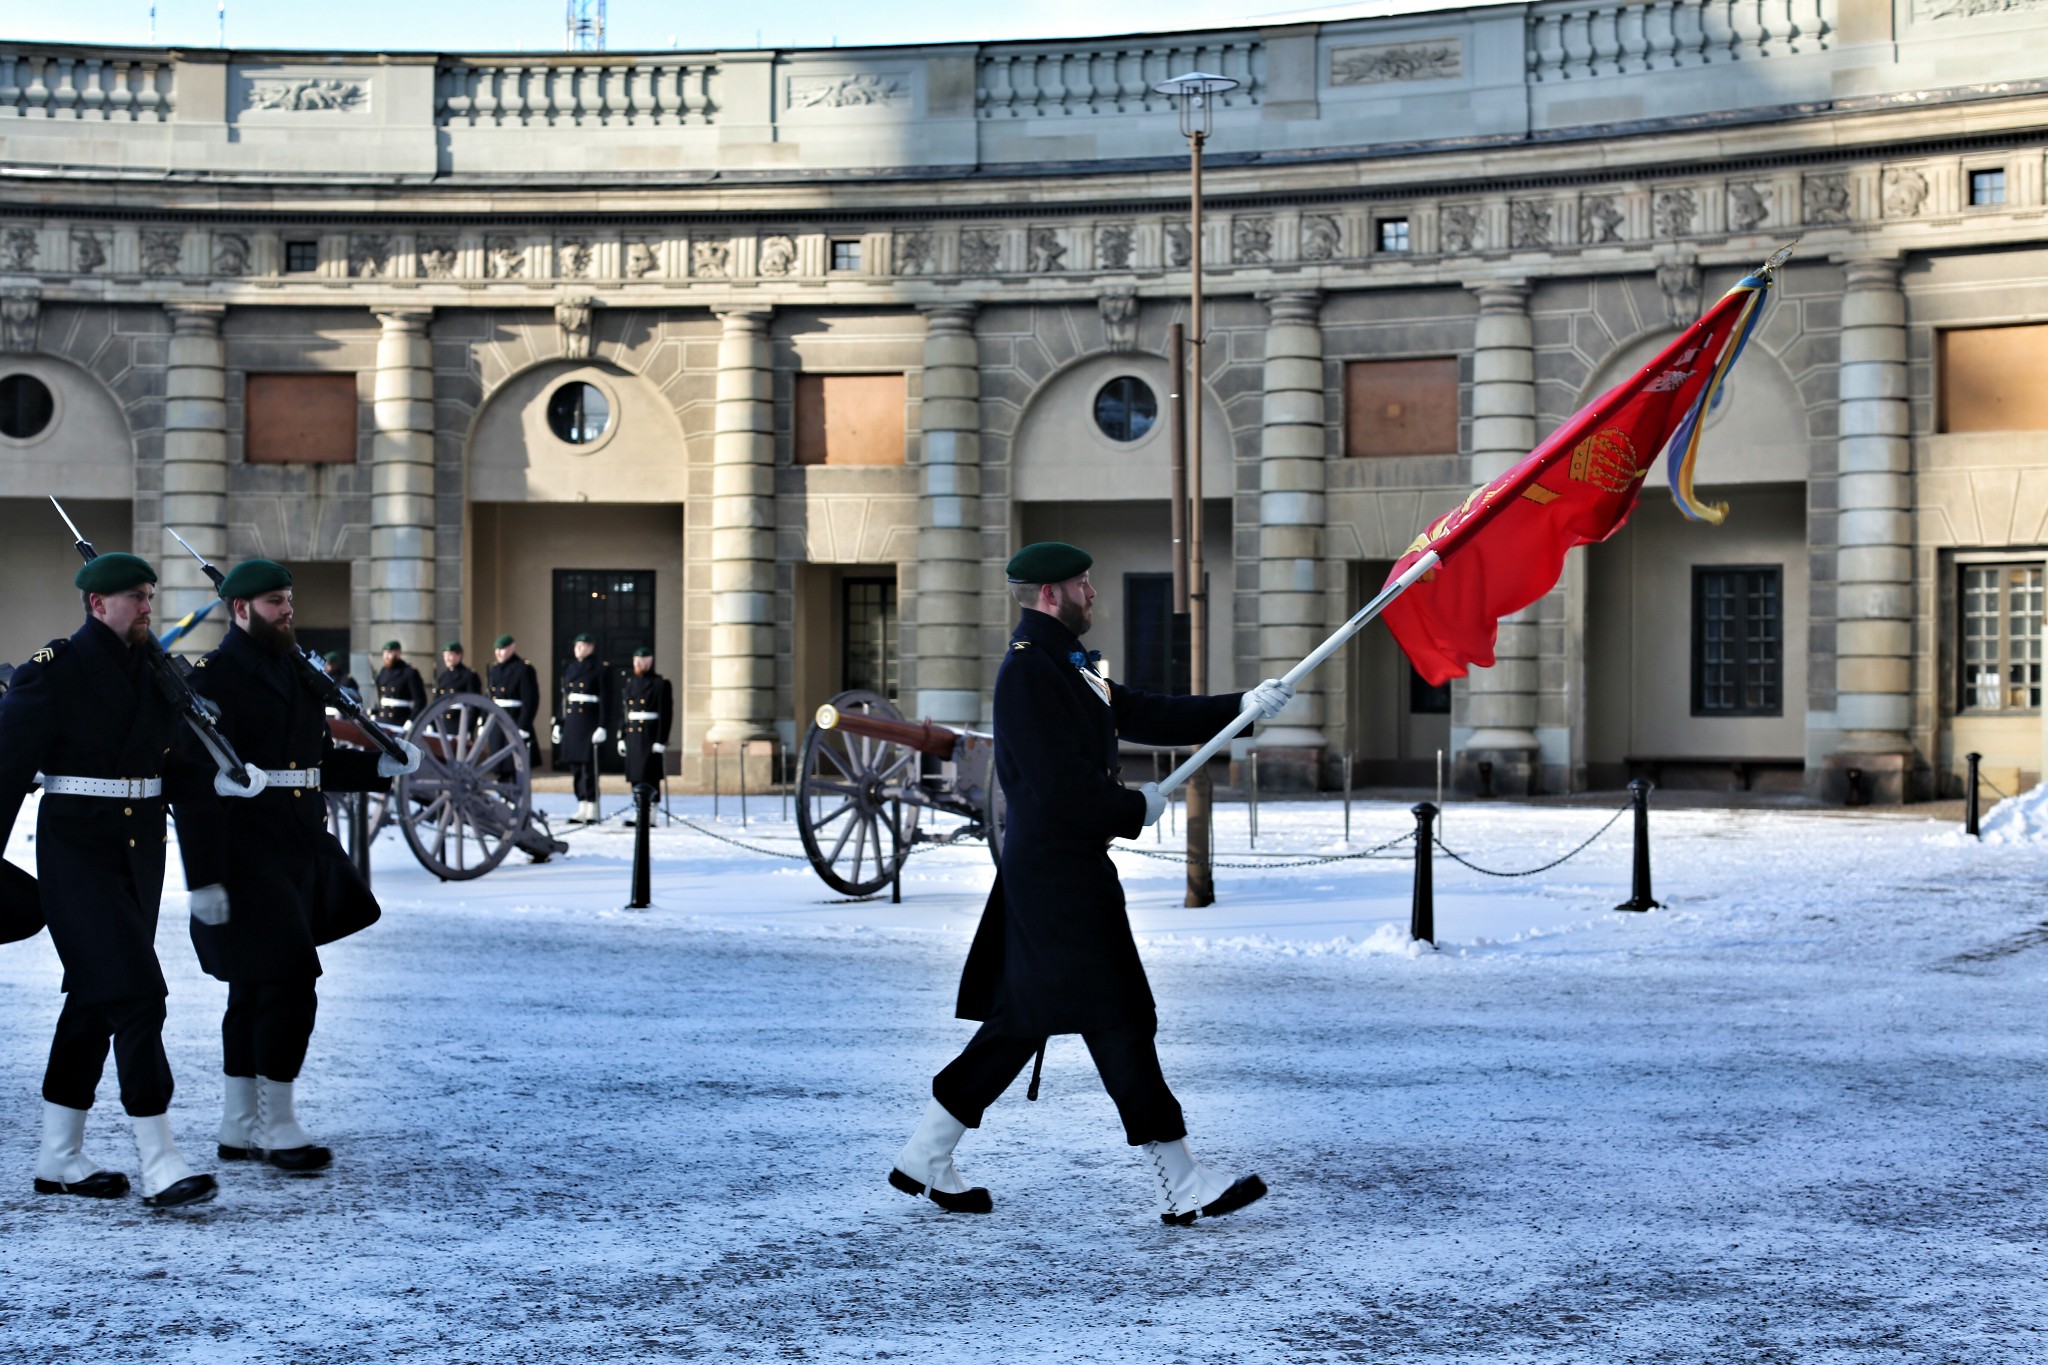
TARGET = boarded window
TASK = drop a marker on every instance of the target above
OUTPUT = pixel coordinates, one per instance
(849, 418)
(1401, 407)
(1991, 379)
(300, 419)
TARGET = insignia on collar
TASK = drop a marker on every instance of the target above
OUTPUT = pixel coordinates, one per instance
(1019, 644)
(43, 655)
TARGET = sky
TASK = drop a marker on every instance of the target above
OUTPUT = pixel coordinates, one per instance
(634, 25)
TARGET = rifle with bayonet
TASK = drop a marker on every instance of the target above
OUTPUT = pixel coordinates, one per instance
(331, 692)
(199, 713)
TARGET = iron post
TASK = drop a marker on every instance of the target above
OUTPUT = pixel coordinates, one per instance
(1640, 897)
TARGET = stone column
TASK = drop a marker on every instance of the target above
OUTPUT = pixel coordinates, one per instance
(195, 470)
(1500, 702)
(402, 485)
(1291, 508)
(743, 533)
(949, 663)
(1874, 532)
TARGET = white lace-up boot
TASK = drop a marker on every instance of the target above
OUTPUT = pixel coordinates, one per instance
(1189, 1190)
(62, 1167)
(283, 1142)
(925, 1165)
(238, 1119)
(167, 1181)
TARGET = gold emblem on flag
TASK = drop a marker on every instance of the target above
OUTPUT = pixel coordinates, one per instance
(1607, 461)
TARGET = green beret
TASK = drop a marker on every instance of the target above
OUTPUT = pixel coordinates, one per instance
(115, 572)
(1049, 561)
(503, 640)
(333, 656)
(394, 645)
(642, 652)
(452, 647)
(584, 640)
(253, 578)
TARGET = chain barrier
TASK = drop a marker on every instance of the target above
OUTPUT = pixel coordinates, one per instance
(1312, 860)
(741, 843)
(1463, 861)
(1987, 782)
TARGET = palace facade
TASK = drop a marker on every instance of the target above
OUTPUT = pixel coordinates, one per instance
(771, 358)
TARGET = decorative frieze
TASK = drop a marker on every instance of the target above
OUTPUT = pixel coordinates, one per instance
(1529, 224)
(1113, 243)
(89, 249)
(1431, 59)
(1905, 192)
(1321, 237)
(850, 90)
(19, 250)
(369, 256)
(162, 249)
(777, 256)
(1601, 219)
(1749, 205)
(21, 312)
(981, 250)
(573, 257)
(1674, 213)
(1458, 228)
(914, 254)
(1046, 249)
(643, 258)
(295, 95)
(504, 258)
(711, 260)
(437, 258)
(1824, 199)
(230, 254)
(1251, 241)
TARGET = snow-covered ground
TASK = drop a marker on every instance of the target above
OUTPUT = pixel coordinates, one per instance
(1798, 1115)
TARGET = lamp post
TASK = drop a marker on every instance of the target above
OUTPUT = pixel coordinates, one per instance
(1195, 95)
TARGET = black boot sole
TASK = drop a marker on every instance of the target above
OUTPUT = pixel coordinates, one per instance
(228, 1153)
(98, 1185)
(976, 1200)
(193, 1189)
(301, 1159)
(1248, 1190)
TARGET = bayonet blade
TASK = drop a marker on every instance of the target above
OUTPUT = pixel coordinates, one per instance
(67, 517)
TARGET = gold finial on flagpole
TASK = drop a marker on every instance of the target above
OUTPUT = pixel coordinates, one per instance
(1779, 257)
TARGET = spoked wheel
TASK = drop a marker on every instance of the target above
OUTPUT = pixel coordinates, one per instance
(850, 811)
(465, 808)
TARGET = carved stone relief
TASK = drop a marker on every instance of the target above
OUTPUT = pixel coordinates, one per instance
(1680, 283)
(1433, 59)
(21, 312)
(572, 259)
(437, 258)
(88, 250)
(1600, 219)
(1320, 237)
(1458, 229)
(19, 249)
(1113, 246)
(162, 249)
(1046, 251)
(572, 316)
(981, 250)
(1528, 224)
(850, 90)
(914, 253)
(369, 256)
(1119, 309)
(1905, 192)
(1825, 198)
(710, 260)
(1971, 9)
(230, 254)
(778, 254)
(1180, 245)
(642, 259)
(504, 258)
(1251, 241)
(1673, 212)
(322, 95)
(1749, 206)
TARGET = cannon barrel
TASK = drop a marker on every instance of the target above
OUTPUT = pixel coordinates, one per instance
(921, 735)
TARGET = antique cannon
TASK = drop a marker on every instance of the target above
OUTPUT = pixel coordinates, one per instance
(471, 802)
(866, 778)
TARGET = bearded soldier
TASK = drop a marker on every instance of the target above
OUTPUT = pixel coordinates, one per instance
(649, 707)
(583, 712)
(89, 713)
(401, 692)
(270, 886)
(516, 688)
(1054, 952)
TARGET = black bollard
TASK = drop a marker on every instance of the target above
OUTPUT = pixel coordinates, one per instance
(643, 858)
(1640, 897)
(359, 832)
(1347, 797)
(714, 779)
(1970, 799)
(743, 784)
(1422, 914)
(1486, 779)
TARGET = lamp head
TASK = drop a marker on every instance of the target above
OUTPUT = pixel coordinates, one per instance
(1195, 92)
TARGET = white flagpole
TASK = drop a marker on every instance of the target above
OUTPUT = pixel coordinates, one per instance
(1301, 670)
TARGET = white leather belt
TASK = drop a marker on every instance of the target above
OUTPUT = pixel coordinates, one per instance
(643, 715)
(293, 777)
(583, 699)
(121, 788)
(395, 701)
(509, 703)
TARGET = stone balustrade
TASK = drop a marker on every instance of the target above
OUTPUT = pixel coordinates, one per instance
(1571, 40)
(1042, 80)
(559, 91)
(111, 86)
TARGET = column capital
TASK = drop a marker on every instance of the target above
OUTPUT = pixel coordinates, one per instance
(950, 317)
(1876, 271)
(744, 318)
(1294, 305)
(1501, 296)
(196, 319)
(403, 319)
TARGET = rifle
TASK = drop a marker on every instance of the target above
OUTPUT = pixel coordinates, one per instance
(198, 712)
(330, 691)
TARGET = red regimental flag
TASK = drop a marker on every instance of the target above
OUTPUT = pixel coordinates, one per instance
(1575, 488)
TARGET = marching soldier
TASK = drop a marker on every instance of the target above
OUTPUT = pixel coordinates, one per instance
(1054, 952)
(401, 692)
(583, 707)
(89, 714)
(516, 687)
(649, 707)
(270, 886)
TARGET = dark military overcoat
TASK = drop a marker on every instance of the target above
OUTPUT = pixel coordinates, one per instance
(90, 707)
(461, 678)
(516, 688)
(645, 694)
(290, 886)
(401, 694)
(580, 720)
(1054, 952)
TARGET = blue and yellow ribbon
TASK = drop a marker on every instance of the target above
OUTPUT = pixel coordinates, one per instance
(1685, 442)
(185, 625)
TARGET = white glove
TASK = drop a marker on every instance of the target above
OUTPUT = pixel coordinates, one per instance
(600, 735)
(1155, 804)
(210, 904)
(661, 748)
(1269, 697)
(225, 785)
(389, 767)
(526, 735)
(622, 748)
(556, 736)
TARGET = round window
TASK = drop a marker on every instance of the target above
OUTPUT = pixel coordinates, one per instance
(26, 406)
(1125, 408)
(578, 413)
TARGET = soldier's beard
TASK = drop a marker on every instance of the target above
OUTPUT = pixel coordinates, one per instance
(275, 638)
(1074, 616)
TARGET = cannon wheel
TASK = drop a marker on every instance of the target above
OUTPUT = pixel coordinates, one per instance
(850, 811)
(995, 814)
(466, 807)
